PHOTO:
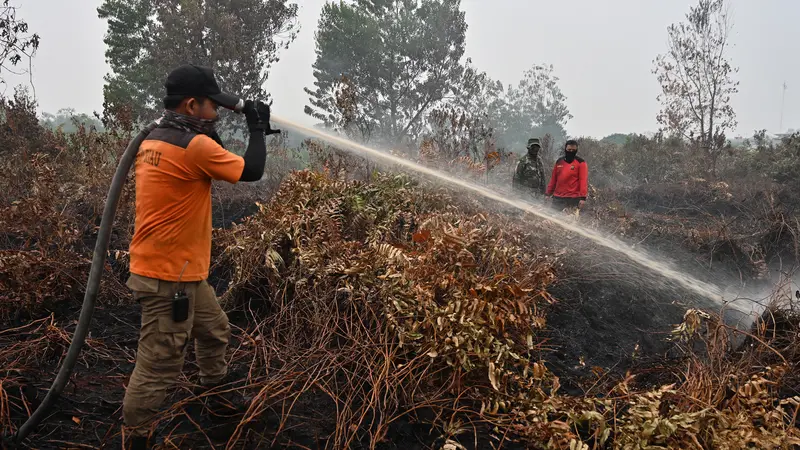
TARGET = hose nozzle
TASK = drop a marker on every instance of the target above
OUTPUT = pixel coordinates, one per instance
(239, 106)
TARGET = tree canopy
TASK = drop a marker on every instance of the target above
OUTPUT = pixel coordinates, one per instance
(382, 64)
(146, 39)
(534, 108)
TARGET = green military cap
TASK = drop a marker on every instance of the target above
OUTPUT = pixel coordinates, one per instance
(533, 141)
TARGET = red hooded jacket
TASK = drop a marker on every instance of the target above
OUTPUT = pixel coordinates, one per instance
(569, 180)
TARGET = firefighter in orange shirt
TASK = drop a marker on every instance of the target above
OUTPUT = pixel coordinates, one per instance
(171, 246)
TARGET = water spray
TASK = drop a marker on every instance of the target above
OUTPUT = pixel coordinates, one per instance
(692, 284)
(126, 161)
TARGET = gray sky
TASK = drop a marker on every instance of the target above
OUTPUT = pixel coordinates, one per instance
(602, 51)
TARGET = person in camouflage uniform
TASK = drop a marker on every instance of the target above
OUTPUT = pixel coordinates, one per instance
(529, 174)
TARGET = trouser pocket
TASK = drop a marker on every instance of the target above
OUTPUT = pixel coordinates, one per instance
(174, 337)
(162, 338)
(142, 286)
(159, 358)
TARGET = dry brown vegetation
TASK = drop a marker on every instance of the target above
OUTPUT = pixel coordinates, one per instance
(371, 310)
(54, 187)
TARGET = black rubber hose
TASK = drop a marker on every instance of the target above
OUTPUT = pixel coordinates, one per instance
(92, 286)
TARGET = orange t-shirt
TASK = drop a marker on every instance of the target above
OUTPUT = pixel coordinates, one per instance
(174, 169)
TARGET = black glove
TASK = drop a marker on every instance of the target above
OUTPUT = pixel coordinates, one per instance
(257, 114)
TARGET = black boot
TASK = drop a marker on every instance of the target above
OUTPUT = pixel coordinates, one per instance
(139, 443)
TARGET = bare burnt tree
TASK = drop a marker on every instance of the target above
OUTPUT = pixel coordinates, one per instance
(17, 43)
(696, 80)
(349, 118)
(459, 134)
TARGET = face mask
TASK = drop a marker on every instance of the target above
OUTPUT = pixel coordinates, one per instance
(570, 156)
(189, 123)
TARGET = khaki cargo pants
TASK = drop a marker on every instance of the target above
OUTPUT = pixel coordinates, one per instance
(163, 342)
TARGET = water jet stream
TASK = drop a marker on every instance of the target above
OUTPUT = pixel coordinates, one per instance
(699, 287)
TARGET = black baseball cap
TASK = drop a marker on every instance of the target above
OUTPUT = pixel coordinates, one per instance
(190, 80)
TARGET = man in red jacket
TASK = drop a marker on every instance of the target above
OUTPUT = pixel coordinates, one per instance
(569, 183)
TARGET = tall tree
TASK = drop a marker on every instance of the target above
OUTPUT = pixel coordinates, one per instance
(240, 39)
(696, 80)
(17, 43)
(535, 107)
(396, 58)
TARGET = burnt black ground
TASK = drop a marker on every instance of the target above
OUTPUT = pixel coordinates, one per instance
(613, 317)
(88, 414)
(596, 325)
(603, 326)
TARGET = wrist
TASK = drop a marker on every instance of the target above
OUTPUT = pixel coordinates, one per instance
(256, 128)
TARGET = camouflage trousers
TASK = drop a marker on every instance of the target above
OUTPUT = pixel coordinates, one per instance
(163, 343)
